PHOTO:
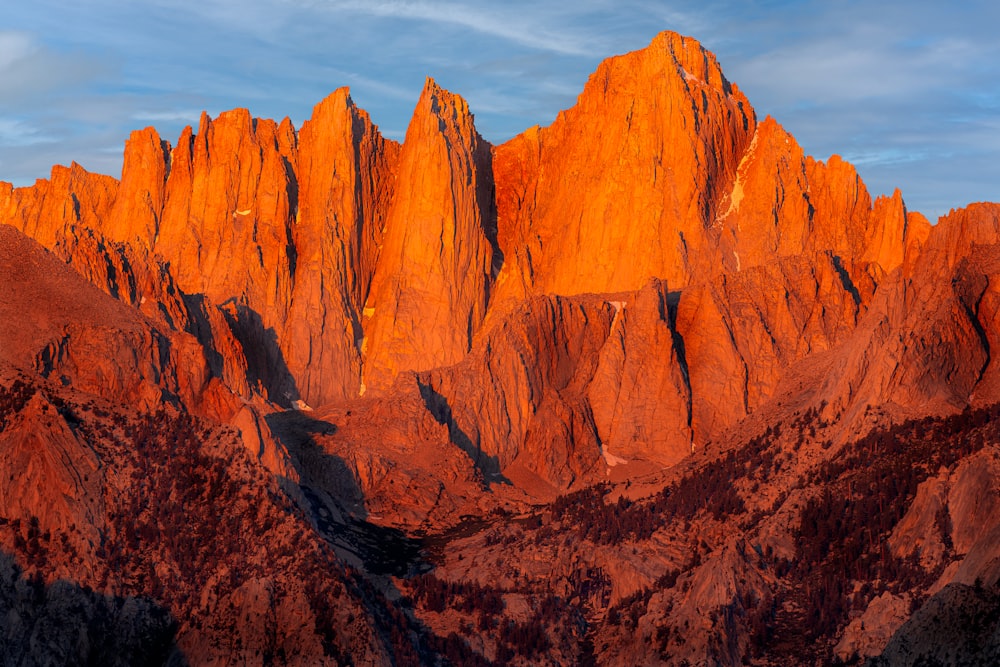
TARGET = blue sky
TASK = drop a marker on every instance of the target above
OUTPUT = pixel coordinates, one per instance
(907, 91)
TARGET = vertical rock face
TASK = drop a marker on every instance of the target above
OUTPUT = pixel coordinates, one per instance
(655, 277)
(784, 203)
(320, 264)
(643, 409)
(517, 403)
(138, 208)
(623, 186)
(225, 230)
(85, 338)
(71, 195)
(345, 176)
(335, 258)
(430, 289)
(925, 345)
(743, 332)
(561, 383)
(227, 211)
(282, 230)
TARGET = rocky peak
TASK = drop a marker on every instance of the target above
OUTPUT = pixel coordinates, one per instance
(139, 205)
(654, 141)
(430, 289)
(345, 171)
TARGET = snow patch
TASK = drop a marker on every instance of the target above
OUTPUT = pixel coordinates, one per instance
(619, 306)
(611, 459)
(736, 196)
(688, 76)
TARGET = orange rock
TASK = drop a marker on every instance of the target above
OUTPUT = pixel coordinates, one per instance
(640, 396)
(57, 480)
(138, 207)
(227, 214)
(71, 195)
(125, 271)
(345, 181)
(430, 289)
(623, 186)
(85, 338)
(317, 265)
(924, 345)
(517, 403)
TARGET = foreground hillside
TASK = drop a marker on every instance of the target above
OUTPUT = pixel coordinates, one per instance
(644, 386)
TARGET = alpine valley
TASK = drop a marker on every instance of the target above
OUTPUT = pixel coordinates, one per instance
(645, 386)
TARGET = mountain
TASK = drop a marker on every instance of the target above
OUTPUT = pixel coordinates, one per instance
(645, 386)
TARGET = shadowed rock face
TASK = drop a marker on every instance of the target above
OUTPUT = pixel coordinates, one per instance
(659, 293)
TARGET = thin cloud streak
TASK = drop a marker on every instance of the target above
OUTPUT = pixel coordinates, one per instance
(485, 21)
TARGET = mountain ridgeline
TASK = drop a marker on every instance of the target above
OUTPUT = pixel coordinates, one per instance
(288, 395)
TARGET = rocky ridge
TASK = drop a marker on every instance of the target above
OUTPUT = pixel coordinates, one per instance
(645, 346)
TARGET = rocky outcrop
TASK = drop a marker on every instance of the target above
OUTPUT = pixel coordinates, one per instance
(924, 346)
(743, 333)
(623, 186)
(642, 409)
(657, 314)
(70, 195)
(430, 289)
(288, 251)
(345, 172)
(87, 339)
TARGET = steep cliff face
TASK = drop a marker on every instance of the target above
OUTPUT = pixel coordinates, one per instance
(322, 264)
(743, 333)
(563, 389)
(70, 195)
(346, 175)
(334, 255)
(623, 186)
(784, 203)
(282, 230)
(924, 347)
(138, 208)
(681, 182)
(529, 420)
(225, 228)
(430, 290)
(642, 409)
(658, 315)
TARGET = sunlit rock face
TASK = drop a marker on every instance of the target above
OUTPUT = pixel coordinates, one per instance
(431, 286)
(648, 385)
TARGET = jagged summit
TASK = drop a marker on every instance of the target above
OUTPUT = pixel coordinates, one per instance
(430, 290)
(334, 259)
(650, 349)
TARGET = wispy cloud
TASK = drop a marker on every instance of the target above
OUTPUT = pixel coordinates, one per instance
(168, 116)
(506, 21)
(29, 70)
(14, 132)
